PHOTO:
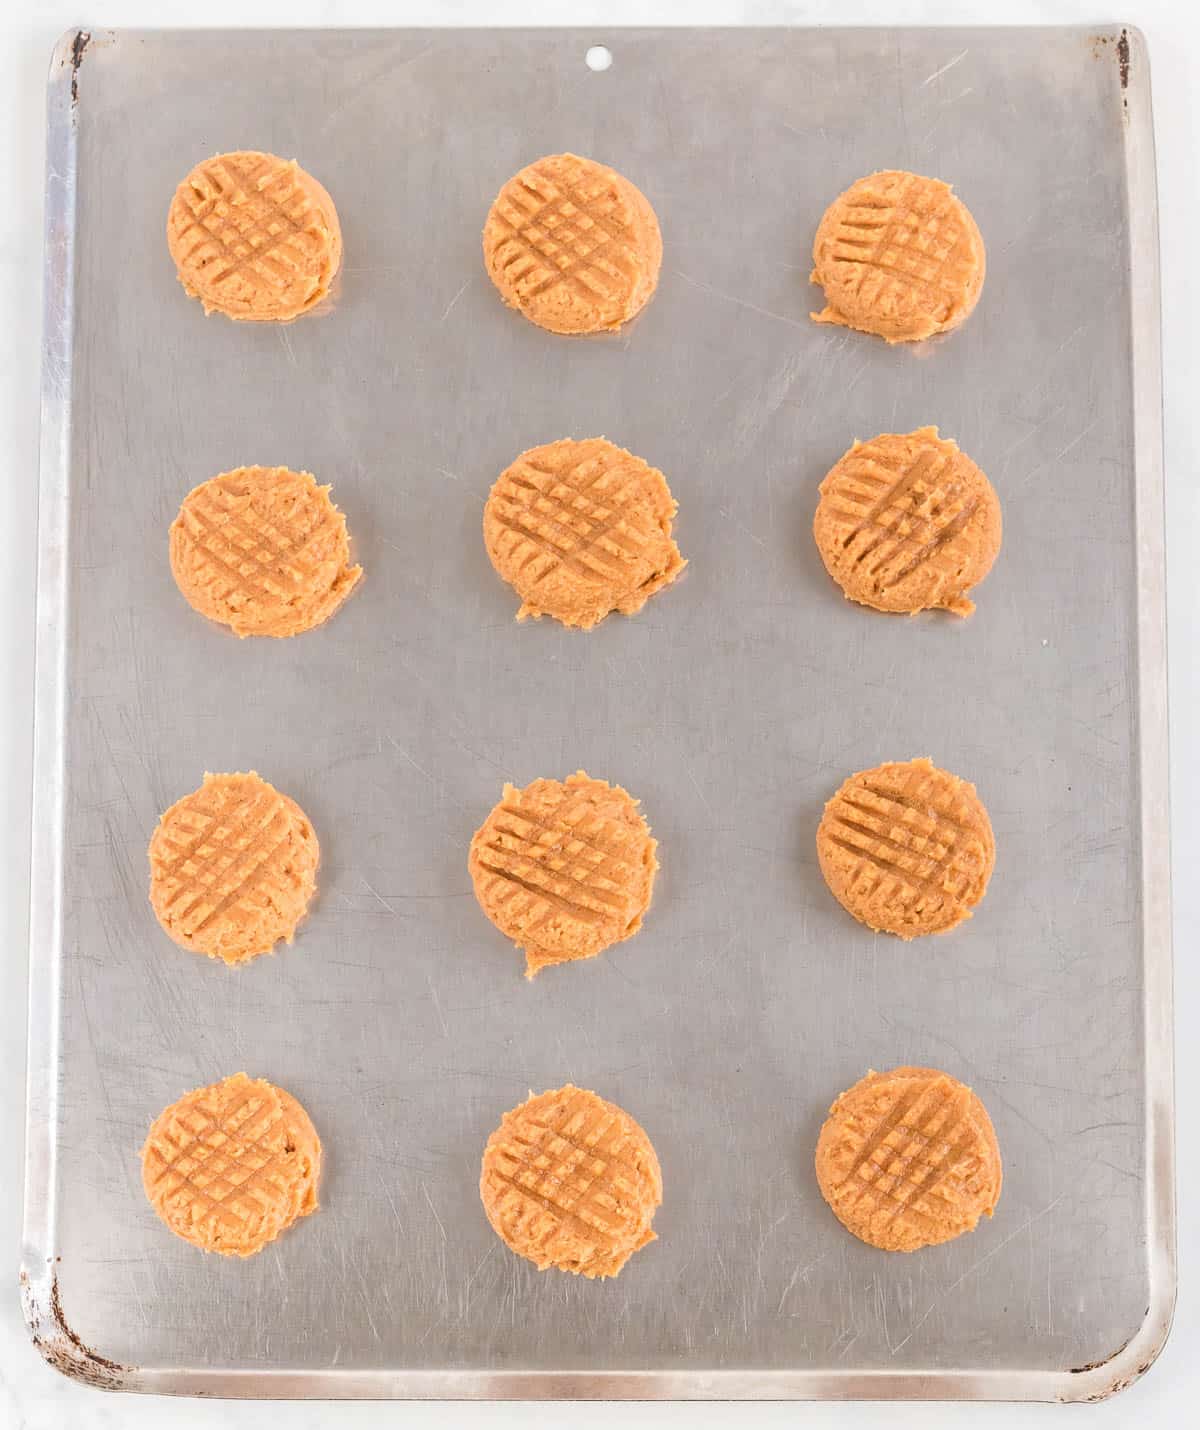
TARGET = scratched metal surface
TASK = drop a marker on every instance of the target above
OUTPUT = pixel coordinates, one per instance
(733, 705)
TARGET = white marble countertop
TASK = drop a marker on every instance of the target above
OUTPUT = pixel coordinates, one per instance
(34, 1396)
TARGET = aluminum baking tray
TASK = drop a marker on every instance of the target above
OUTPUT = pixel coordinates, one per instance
(733, 705)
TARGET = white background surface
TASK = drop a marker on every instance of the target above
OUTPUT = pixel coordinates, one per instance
(34, 1396)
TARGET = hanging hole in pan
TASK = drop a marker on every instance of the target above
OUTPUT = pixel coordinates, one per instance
(598, 57)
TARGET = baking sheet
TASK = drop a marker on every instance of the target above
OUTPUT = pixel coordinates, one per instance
(733, 706)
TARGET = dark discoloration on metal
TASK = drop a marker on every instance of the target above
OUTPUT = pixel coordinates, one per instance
(1096, 1364)
(1123, 58)
(1122, 1382)
(1121, 48)
(60, 1346)
(78, 49)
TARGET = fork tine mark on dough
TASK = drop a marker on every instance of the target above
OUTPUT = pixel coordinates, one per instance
(931, 874)
(254, 885)
(924, 540)
(573, 245)
(254, 237)
(581, 529)
(571, 1181)
(913, 268)
(262, 550)
(231, 1166)
(557, 894)
(908, 1158)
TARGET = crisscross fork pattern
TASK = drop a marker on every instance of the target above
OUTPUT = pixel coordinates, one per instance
(256, 220)
(256, 555)
(564, 236)
(200, 1176)
(233, 855)
(915, 845)
(584, 882)
(909, 242)
(572, 1181)
(573, 520)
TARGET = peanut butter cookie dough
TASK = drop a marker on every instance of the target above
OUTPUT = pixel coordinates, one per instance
(564, 868)
(233, 867)
(907, 522)
(254, 237)
(581, 529)
(571, 1181)
(909, 1158)
(906, 848)
(899, 256)
(229, 1167)
(262, 550)
(573, 245)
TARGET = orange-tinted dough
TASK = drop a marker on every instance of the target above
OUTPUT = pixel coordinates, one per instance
(233, 866)
(564, 868)
(262, 550)
(581, 529)
(573, 245)
(254, 237)
(572, 1181)
(228, 1167)
(909, 1158)
(906, 848)
(907, 522)
(900, 256)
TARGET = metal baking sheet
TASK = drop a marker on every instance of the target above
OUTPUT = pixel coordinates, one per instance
(733, 705)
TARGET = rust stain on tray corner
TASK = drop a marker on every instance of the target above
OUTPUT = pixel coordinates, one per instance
(83, 39)
(1104, 1360)
(1119, 1385)
(1122, 1382)
(60, 1346)
(1121, 49)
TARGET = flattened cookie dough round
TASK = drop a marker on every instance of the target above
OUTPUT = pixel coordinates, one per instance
(573, 245)
(907, 522)
(254, 237)
(572, 1181)
(906, 848)
(233, 867)
(900, 256)
(909, 1158)
(581, 529)
(228, 1167)
(564, 868)
(262, 550)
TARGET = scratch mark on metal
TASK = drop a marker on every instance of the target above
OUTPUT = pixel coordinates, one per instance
(450, 307)
(403, 753)
(437, 1006)
(797, 1274)
(970, 1271)
(376, 894)
(740, 302)
(433, 1209)
(479, 1265)
(733, 521)
(949, 65)
(391, 1201)
(1059, 455)
(699, 789)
